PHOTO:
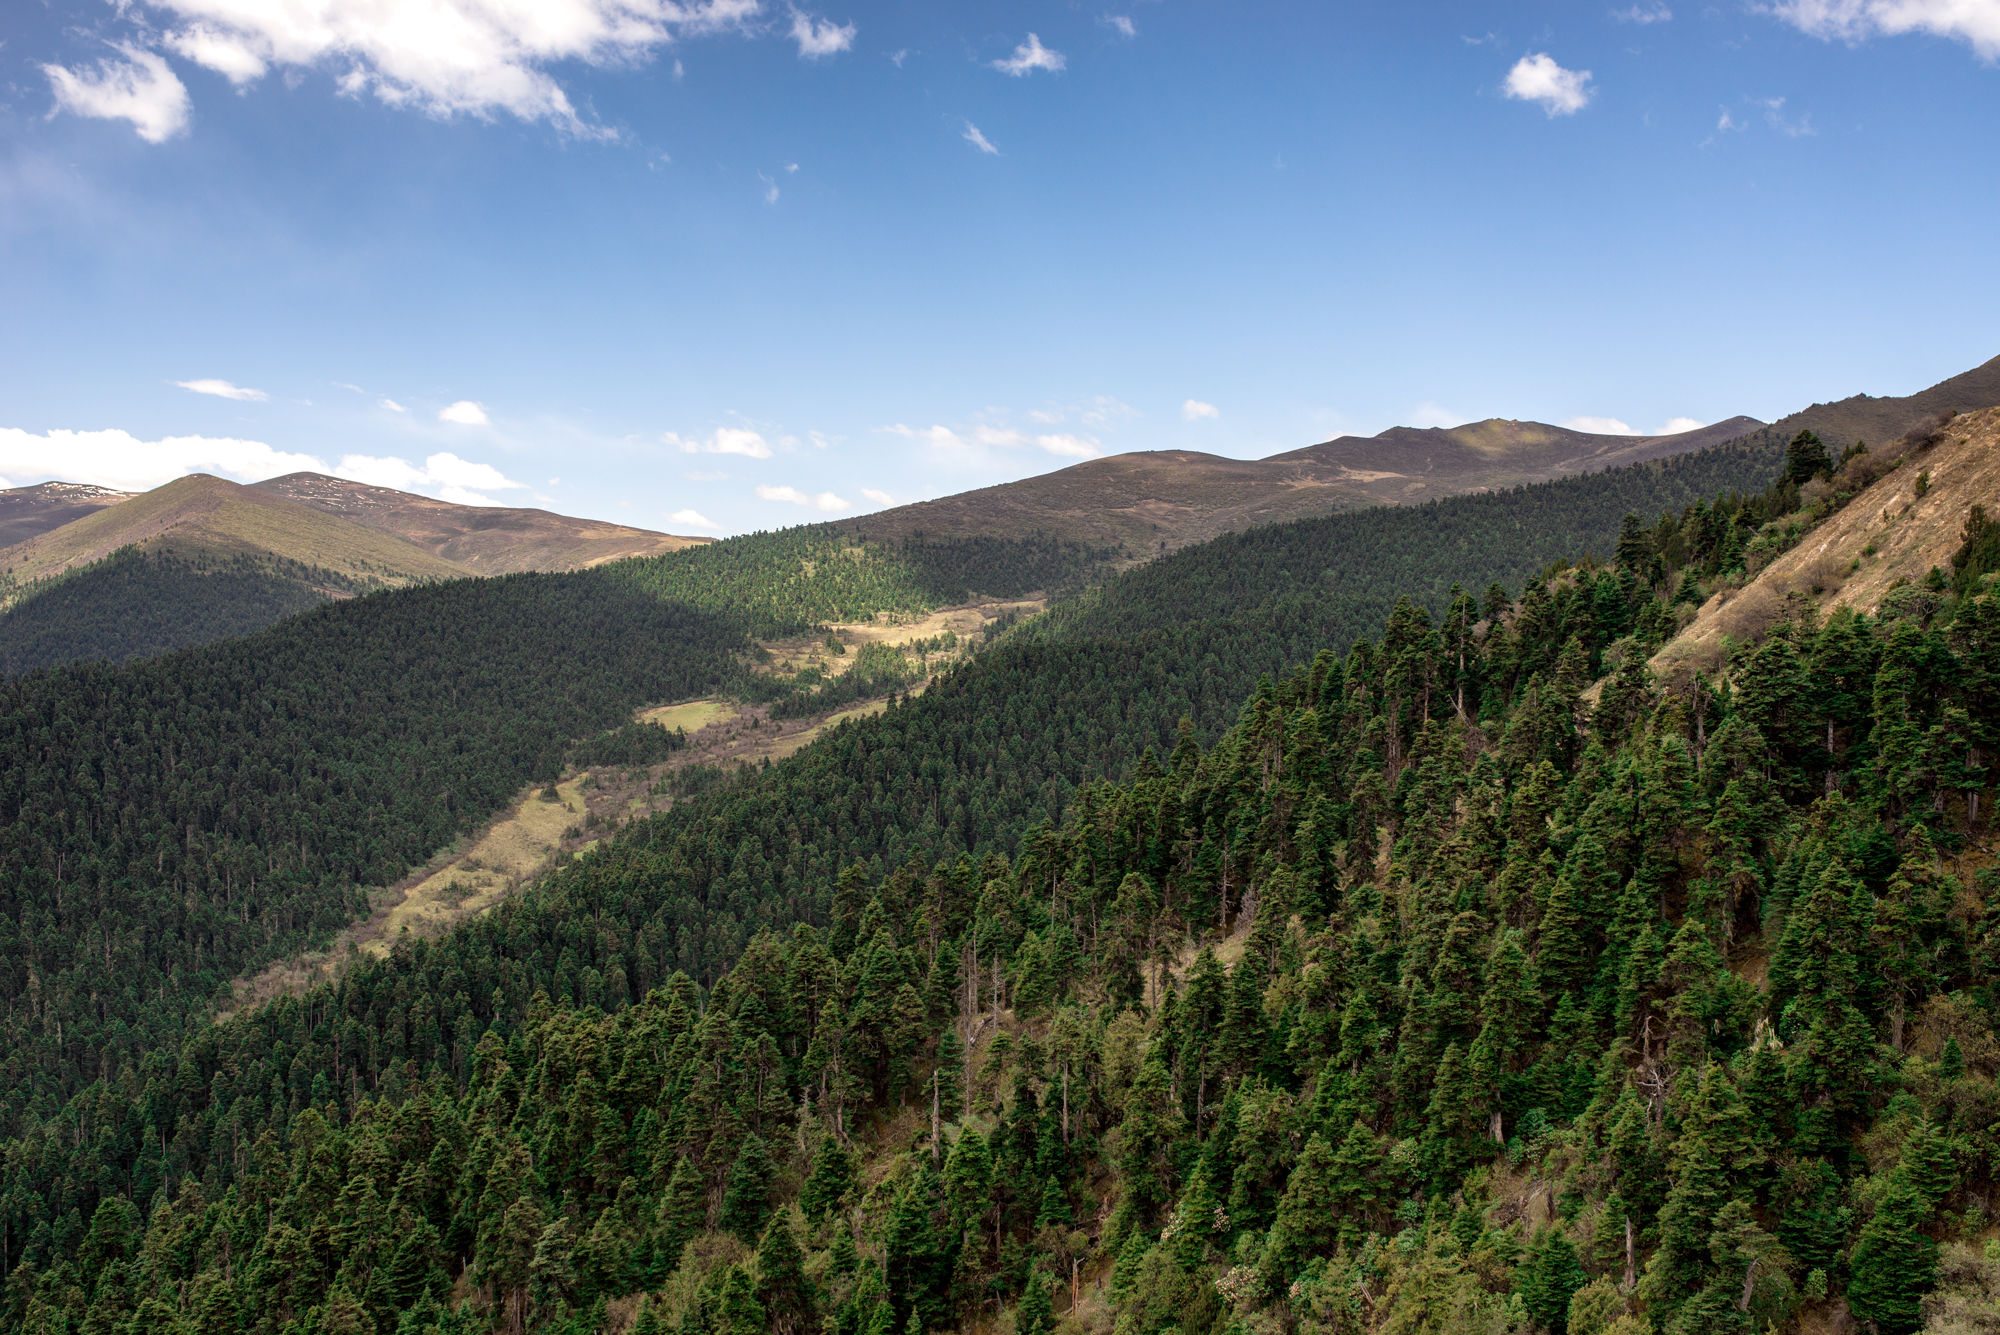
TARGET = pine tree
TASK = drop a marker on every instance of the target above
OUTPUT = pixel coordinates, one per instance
(1893, 1264)
(1032, 1316)
(682, 1213)
(831, 1178)
(746, 1195)
(782, 1288)
(739, 1312)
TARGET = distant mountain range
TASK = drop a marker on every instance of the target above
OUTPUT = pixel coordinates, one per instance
(1152, 501)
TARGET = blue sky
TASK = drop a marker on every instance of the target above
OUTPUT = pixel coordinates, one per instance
(726, 265)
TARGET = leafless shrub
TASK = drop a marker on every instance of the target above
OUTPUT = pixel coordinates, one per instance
(1821, 573)
(1750, 614)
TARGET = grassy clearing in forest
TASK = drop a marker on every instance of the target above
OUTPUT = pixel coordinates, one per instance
(690, 715)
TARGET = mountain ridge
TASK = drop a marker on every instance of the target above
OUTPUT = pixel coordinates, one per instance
(484, 540)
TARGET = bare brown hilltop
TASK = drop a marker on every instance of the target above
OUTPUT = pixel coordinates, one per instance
(480, 539)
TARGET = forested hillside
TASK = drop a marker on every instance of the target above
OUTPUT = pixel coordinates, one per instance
(166, 825)
(789, 581)
(138, 602)
(1430, 997)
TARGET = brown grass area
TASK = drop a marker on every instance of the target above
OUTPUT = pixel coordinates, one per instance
(964, 621)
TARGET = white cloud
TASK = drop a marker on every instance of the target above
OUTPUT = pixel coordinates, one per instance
(1726, 122)
(1676, 425)
(222, 389)
(119, 459)
(445, 57)
(878, 497)
(978, 140)
(1029, 57)
(770, 188)
(1072, 447)
(1194, 410)
(393, 406)
(825, 501)
(820, 37)
(1652, 11)
(140, 88)
(1600, 426)
(1539, 79)
(692, 518)
(1434, 415)
(1122, 25)
(460, 481)
(1974, 22)
(725, 440)
(1068, 446)
(942, 436)
(465, 412)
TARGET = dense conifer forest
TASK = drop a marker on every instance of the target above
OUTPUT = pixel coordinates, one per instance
(788, 582)
(136, 603)
(166, 825)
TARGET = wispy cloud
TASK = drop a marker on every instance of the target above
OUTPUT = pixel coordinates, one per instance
(824, 501)
(1030, 56)
(820, 37)
(1974, 22)
(725, 440)
(139, 87)
(1121, 24)
(1194, 410)
(222, 389)
(979, 141)
(692, 519)
(877, 497)
(1652, 11)
(393, 406)
(1792, 127)
(770, 188)
(1676, 425)
(1538, 79)
(465, 413)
